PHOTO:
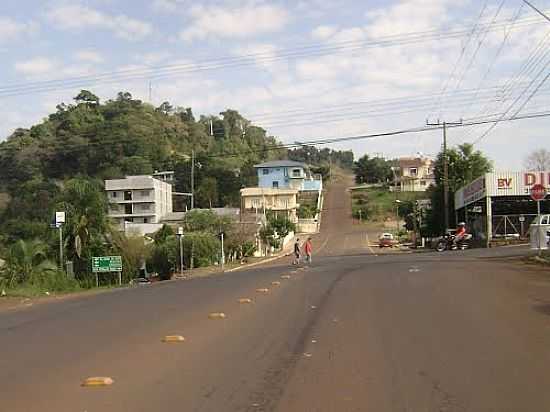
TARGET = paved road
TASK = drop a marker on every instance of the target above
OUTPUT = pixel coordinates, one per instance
(353, 332)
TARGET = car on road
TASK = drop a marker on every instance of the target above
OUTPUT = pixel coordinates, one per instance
(386, 240)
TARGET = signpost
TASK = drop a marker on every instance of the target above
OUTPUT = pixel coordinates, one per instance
(538, 192)
(59, 221)
(107, 264)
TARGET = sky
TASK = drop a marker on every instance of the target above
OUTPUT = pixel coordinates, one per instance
(304, 70)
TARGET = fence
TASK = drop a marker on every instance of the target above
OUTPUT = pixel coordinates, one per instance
(512, 226)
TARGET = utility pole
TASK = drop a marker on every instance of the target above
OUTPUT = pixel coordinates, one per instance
(445, 167)
(192, 179)
(223, 253)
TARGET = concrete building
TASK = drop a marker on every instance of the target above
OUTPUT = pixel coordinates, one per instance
(287, 174)
(498, 205)
(259, 199)
(282, 186)
(167, 176)
(416, 174)
(138, 200)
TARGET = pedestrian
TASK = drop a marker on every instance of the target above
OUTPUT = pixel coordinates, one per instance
(308, 249)
(296, 260)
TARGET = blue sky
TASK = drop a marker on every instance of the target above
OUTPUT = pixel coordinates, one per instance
(303, 71)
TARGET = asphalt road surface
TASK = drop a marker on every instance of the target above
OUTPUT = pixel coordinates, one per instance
(358, 330)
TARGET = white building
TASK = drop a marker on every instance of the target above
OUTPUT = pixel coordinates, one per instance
(416, 174)
(138, 200)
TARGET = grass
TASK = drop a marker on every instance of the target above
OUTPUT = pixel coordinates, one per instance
(378, 204)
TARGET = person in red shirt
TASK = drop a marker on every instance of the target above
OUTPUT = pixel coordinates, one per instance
(308, 249)
(460, 232)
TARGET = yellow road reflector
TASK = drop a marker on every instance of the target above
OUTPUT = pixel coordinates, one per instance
(285, 276)
(308, 355)
(245, 300)
(313, 307)
(313, 341)
(262, 290)
(217, 315)
(98, 381)
(275, 283)
(173, 339)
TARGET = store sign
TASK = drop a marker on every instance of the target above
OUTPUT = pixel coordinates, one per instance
(474, 191)
(505, 183)
(533, 178)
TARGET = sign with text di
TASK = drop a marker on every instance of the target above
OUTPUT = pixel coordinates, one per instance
(106, 264)
(538, 192)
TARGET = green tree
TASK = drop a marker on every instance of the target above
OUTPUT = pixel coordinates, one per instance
(134, 249)
(85, 206)
(372, 170)
(27, 261)
(465, 165)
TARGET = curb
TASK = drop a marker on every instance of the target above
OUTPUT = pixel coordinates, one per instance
(250, 265)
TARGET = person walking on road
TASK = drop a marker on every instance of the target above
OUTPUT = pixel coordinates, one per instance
(296, 260)
(308, 249)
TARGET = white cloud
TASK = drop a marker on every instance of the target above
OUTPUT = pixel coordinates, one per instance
(11, 29)
(217, 21)
(35, 66)
(409, 16)
(262, 53)
(323, 32)
(77, 17)
(153, 57)
(90, 56)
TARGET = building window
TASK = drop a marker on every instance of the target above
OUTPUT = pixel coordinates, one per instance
(113, 194)
(145, 193)
(422, 183)
(128, 195)
(128, 209)
(544, 220)
(277, 170)
(413, 171)
(285, 172)
(265, 171)
(128, 219)
(145, 220)
(255, 203)
(296, 173)
(275, 184)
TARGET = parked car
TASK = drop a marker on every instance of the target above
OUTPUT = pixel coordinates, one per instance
(386, 240)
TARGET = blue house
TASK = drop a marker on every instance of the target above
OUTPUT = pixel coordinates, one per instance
(287, 174)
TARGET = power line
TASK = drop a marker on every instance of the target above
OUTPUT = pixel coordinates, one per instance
(234, 62)
(537, 10)
(513, 104)
(461, 55)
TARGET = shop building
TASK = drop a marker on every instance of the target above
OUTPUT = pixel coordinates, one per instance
(499, 206)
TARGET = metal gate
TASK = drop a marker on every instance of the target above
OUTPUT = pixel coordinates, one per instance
(512, 226)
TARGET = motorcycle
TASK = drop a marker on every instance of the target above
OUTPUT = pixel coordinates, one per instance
(447, 243)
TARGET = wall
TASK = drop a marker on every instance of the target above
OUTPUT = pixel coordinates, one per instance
(275, 174)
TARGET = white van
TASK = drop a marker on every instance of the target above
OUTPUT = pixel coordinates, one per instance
(539, 232)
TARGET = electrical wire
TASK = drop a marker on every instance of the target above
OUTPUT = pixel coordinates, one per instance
(249, 59)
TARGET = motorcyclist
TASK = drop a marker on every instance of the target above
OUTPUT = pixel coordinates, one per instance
(460, 233)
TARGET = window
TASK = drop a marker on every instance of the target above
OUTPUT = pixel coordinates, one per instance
(296, 173)
(413, 171)
(544, 220)
(145, 193)
(285, 172)
(145, 220)
(113, 194)
(128, 209)
(422, 183)
(128, 195)
(265, 171)
(128, 219)
(277, 170)
(275, 184)
(255, 202)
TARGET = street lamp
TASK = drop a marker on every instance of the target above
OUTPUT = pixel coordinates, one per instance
(180, 237)
(397, 202)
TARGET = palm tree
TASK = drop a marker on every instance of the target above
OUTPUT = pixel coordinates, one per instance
(27, 261)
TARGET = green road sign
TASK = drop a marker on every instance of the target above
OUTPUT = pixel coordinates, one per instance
(106, 264)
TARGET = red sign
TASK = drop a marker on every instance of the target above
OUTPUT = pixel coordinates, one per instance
(538, 192)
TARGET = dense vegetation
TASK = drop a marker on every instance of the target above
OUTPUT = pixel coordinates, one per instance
(60, 164)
